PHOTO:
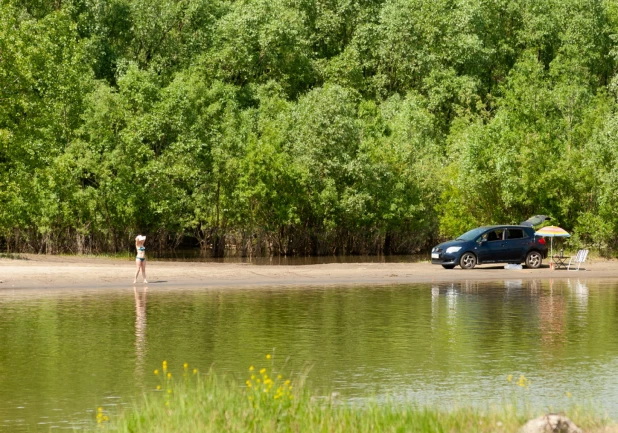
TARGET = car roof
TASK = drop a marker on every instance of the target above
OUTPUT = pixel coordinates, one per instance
(506, 226)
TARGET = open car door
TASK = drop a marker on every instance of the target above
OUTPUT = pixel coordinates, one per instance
(535, 220)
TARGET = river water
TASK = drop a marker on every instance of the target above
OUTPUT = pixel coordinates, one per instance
(64, 353)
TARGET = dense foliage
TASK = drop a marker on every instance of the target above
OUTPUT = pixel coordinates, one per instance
(305, 126)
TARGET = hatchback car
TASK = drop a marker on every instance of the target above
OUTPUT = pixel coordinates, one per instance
(492, 244)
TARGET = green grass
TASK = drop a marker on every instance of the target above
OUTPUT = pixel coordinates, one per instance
(117, 255)
(12, 256)
(216, 403)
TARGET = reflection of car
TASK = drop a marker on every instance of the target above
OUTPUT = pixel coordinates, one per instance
(492, 244)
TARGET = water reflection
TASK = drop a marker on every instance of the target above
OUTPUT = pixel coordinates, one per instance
(548, 305)
(140, 334)
(513, 288)
(197, 256)
(552, 320)
(437, 343)
(579, 290)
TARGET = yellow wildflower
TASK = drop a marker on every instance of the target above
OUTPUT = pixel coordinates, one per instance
(262, 371)
(169, 375)
(268, 356)
(185, 365)
(251, 368)
(523, 382)
(509, 378)
(100, 416)
(156, 372)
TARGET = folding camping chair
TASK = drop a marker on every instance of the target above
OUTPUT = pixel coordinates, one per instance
(579, 259)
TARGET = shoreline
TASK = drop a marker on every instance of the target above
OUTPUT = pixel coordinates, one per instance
(67, 272)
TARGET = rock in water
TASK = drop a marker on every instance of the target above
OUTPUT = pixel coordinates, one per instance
(551, 423)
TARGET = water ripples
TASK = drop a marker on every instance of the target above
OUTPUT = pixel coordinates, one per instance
(65, 353)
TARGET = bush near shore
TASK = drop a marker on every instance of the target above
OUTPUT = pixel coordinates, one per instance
(268, 402)
(303, 127)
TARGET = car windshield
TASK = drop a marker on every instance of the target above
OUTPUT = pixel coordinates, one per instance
(471, 235)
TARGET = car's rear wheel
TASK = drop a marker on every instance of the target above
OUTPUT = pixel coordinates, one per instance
(448, 266)
(534, 259)
(467, 261)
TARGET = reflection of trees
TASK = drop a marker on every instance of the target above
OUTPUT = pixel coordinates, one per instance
(140, 333)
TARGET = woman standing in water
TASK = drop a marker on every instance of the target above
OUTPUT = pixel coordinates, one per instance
(140, 259)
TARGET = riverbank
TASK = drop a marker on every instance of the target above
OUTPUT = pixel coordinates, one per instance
(270, 401)
(42, 271)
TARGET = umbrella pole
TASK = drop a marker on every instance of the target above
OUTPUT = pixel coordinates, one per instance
(551, 249)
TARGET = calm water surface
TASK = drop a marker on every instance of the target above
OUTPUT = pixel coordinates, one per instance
(198, 256)
(63, 353)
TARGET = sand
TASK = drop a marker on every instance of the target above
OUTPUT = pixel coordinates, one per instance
(64, 272)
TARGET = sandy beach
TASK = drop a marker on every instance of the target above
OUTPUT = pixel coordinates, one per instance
(41, 272)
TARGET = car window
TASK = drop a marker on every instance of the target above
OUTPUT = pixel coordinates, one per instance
(493, 235)
(471, 235)
(515, 234)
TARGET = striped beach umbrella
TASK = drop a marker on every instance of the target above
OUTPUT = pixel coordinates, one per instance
(552, 232)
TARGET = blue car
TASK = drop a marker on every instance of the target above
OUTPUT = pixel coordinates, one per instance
(492, 244)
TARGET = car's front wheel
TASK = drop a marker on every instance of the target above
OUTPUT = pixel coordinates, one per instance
(533, 259)
(467, 261)
(448, 266)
